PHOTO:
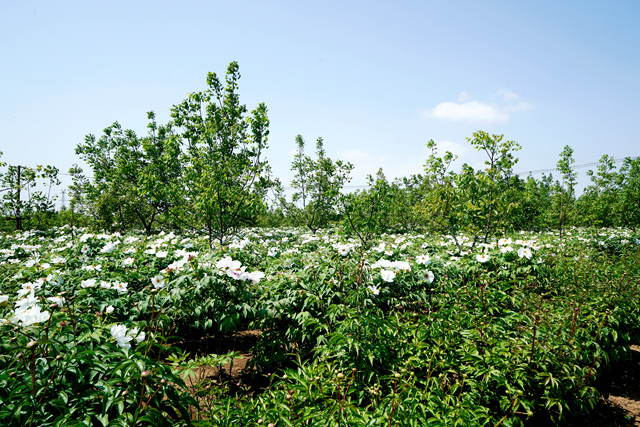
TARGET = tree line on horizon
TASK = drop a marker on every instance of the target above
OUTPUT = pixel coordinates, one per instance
(204, 171)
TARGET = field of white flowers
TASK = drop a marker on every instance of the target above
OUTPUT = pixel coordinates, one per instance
(410, 330)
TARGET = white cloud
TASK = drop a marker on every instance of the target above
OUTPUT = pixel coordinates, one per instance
(507, 95)
(363, 164)
(464, 96)
(393, 167)
(455, 148)
(472, 111)
(477, 111)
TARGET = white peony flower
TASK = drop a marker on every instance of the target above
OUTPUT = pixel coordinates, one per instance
(524, 252)
(30, 315)
(423, 259)
(482, 258)
(387, 275)
(89, 283)
(119, 333)
(158, 281)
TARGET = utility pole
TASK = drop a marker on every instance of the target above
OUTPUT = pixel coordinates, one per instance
(18, 218)
(63, 191)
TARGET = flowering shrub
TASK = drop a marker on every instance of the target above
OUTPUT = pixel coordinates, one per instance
(409, 327)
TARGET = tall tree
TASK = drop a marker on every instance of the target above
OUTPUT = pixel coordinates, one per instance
(471, 201)
(131, 175)
(564, 197)
(318, 184)
(224, 176)
(22, 201)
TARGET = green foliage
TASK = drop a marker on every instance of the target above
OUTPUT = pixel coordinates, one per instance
(22, 203)
(408, 328)
(131, 176)
(563, 200)
(475, 202)
(367, 213)
(318, 184)
(224, 177)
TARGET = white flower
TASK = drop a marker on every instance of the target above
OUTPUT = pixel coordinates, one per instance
(238, 273)
(105, 285)
(4, 299)
(139, 337)
(177, 265)
(162, 254)
(504, 242)
(387, 275)
(428, 276)
(423, 259)
(108, 248)
(58, 300)
(119, 333)
(482, 258)
(255, 276)
(343, 250)
(380, 247)
(524, 252)
(89, 283)
(374, 289)
(401, 266)
(384, 263)
(120, 287)
(30, 315)
(28, 288)
(27, 301)
(128, 261)
(158, 281)
(109, 309)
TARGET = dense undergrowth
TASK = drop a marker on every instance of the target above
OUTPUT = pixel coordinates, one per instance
(410, 331)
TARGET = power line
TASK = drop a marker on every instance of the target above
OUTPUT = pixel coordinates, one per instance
(583, 165)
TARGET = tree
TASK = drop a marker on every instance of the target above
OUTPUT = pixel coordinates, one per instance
(318, 184)
(21, 201)
(367, 212)
(131, 175)
(495, 199)
(475, 202)
(599, 204)
(224, 177)
(564, 194)
(630, 192)
(533, 201)
(440, 206)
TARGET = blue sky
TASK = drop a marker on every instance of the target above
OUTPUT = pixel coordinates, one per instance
(375, 79)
